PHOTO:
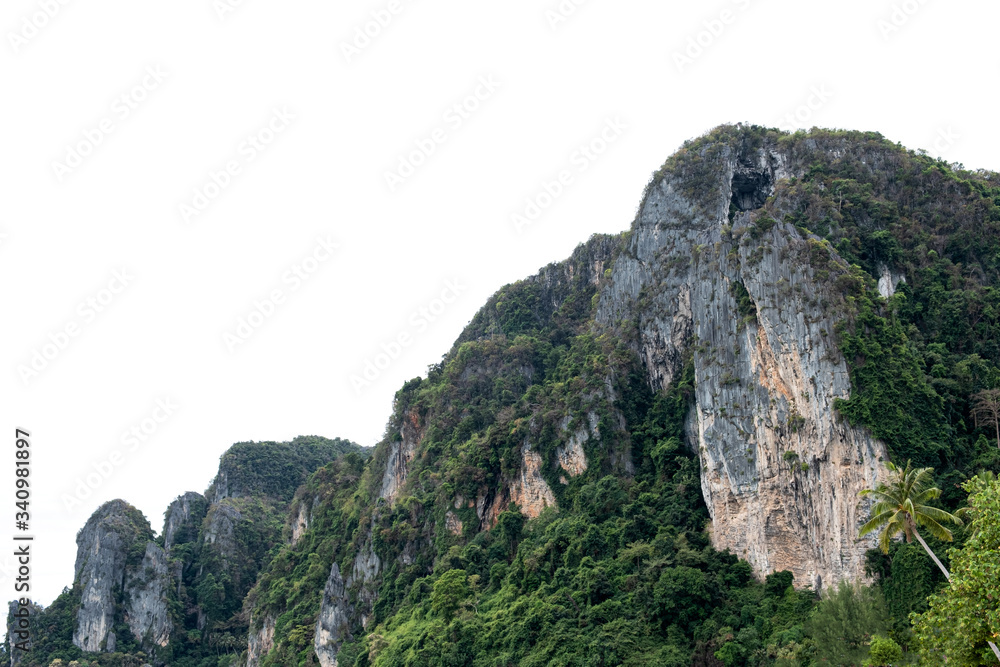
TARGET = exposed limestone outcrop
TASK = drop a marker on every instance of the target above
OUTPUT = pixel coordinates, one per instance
(453, 523)
(220, 487)
(344, 601)
(19, 630)
(570, 456)
(104, 546)
(367, 566)
(781, 472)
(183, 517)
(334, 619)
(488, 508)
(221, 528)
(218, 536)
(146, 590)
(300, 522)
(261, 641)
(530, 490)
(401, 452)
(888, 281)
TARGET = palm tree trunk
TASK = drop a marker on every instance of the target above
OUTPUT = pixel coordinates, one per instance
(931, 554)
(996, 651)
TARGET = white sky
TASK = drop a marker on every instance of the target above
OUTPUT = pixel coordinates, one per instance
(929, 84)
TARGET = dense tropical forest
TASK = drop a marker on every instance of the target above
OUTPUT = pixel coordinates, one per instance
(619, 568)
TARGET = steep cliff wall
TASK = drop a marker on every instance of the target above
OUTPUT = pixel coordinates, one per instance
(261, 640)
(19, 630)
(146, 598)
(708, 272)
(108, 546)
(345, 603)
(401, 453)
(300, 520)
(183, 518)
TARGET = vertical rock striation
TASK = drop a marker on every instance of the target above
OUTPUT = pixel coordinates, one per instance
(300, 521)
(346, 602)
(261, 641)
(401, 453)
(146, 605)
(529, 490)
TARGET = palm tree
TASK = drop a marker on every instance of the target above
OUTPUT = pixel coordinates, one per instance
(900, 507)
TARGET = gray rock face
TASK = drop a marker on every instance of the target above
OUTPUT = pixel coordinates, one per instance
(332, 626)
(780, 471)
(20, 625)
(102, 553)
(218, 537)
(146, 590)
(570, 456)
(344, 601)
(261, 642)
(300, 522)
(221, 487)
(400, 454)
(221, 529)
(888, 281)
(183, 515)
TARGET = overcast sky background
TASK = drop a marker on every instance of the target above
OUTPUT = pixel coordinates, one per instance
(337, 119)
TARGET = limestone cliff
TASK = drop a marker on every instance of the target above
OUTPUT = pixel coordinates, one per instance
(300, 520)
(220, 528)
(19, 629)
(183, 518)
(401, 453)
(711, 271)
(146, 598)
(109, 549)
(528, 489)
(345, 602)
(261, 640)
(570, 456)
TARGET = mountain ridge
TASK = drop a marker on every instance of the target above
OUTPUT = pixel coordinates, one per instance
(577, 477)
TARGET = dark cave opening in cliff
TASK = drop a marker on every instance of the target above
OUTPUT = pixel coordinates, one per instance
(751, 187)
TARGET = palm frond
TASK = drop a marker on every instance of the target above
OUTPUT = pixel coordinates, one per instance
(885, 506)
(922, 478)
(936, 529)
(937, 514)
(925, 495)
(893, 528)
(883, 494)
(876, 522)
(901, 504)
